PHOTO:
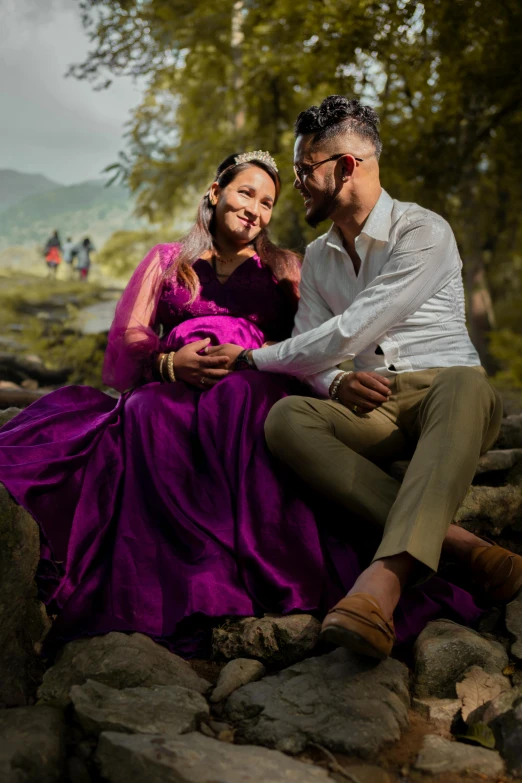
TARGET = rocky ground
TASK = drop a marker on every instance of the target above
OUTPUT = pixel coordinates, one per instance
(62, 322)
(271, 705)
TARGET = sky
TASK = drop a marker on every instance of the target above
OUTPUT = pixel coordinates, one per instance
(51, 125)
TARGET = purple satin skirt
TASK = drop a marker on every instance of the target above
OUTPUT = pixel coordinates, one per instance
(163, 512)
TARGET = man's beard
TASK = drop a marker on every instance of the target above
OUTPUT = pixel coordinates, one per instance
(324, 210)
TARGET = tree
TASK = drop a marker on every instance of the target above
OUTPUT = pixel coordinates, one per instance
(233, 75)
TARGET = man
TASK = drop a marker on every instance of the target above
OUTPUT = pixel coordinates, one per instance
(383, 288)
(69, 252)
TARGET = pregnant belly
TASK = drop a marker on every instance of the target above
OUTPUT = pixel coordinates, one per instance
(219, 328)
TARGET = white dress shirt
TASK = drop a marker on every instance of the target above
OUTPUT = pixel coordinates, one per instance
(407, 301)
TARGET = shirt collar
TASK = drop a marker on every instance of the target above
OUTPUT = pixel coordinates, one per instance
(377, 226)
(378, 222)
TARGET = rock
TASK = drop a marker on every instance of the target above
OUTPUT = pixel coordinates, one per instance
(77, 771)
(516, 678)
(498, 460)
(477, 687)
(234, 675)
(439, 755)
(514, 626)
(440, 712)
(272, 640)
(344, 702)
(491, 462)
(23, 619)
(510, 436)
(32, 745)
(207, 731)
(443, 652)
(196, 759)
(362, 773)
(489, 510)
(507, 728)
(160, 709)
(120, 661)
(8, 414)
(496, 707)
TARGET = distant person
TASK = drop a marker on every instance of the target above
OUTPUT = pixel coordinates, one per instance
(84, 258)
(52, 253)
(69, 253)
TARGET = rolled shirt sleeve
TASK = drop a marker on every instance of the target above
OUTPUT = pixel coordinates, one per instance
(423, 260)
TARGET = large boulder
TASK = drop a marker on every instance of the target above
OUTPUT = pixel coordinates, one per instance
(159, 709)
(23, 619)
(344, 702)
(510, 436)
(196, 759)
(491, 464)
(443, 652)
(272, 640)
(439, 755)
(120, 661)
(32, 745)
(507, 728)
(514, 626)
(492, 510)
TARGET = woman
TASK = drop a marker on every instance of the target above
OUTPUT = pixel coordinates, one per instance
(83, 263)
(163, 512)
(52, 254)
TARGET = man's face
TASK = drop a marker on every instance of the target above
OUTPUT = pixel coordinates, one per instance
(318, 188)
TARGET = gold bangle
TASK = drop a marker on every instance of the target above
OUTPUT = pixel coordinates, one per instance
(170, 366)
(161, 363)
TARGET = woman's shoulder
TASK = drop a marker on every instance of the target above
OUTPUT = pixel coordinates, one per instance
(165, 252)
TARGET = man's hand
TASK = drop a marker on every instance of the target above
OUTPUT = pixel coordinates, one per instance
(366, 390)
(228, 350)
(200, 371)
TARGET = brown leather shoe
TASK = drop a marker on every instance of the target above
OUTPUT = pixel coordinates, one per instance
(497, 572)
(357, 623)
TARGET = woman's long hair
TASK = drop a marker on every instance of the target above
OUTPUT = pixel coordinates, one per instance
(285, 264)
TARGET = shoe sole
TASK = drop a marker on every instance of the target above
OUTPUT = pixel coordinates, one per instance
(350, 640)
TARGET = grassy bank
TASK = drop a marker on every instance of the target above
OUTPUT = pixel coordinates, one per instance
(39, 317)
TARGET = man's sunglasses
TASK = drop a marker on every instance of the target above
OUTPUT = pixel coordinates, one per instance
(303, 170)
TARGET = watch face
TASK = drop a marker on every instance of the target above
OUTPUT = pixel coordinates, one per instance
(242, 364)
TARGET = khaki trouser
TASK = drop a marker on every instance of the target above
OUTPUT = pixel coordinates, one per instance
(447, 417)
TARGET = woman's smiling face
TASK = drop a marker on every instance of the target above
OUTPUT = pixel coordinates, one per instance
(244, 206)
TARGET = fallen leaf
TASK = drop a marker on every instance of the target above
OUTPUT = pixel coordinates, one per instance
(479, 687)
(478, 734)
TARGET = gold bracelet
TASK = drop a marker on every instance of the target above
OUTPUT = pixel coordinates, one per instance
(161, 363)
(170, 366)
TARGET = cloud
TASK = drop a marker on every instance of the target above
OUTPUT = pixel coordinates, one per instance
(52, 125)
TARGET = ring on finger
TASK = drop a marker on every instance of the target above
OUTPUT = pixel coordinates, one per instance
(203, 381)
(355, 408)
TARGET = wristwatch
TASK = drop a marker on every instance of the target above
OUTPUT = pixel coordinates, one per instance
(244, 361)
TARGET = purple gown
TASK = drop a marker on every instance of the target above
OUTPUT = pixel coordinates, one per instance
(163, 512)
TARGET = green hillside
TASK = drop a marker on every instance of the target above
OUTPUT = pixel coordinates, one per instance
(78, 210)
(15, 186)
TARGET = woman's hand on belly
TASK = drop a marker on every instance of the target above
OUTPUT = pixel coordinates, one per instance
(200, 371)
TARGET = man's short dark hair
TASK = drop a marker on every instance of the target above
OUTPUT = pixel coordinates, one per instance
(338, 115)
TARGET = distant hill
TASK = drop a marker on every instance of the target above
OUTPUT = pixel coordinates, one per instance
(15, 186)
(89, 208)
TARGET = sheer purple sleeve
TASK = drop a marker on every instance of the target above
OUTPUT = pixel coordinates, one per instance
(132, 340)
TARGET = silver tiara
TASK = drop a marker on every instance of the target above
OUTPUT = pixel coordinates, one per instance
(264, 157)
